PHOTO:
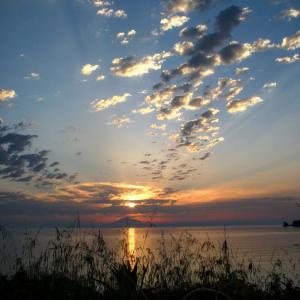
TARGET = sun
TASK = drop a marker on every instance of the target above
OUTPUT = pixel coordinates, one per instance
(131, 204)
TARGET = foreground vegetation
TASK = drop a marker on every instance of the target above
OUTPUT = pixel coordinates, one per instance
(73, 266)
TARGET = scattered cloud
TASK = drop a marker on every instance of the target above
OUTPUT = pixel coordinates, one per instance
(289, 14)
(143, 110)
(88, 69)
(241, 71)
(102, 3)
(173, 22)
(287, 59)
(126, 37)
(20, 164)
(291, 42)
(161, 127)
(120, 121)
(131, 66)
(40, 99)
(7, 94)
(186, 6)
(233, 92)
(194, 32)
(242, 104)
(191, 131)
(33, 75)
(184, 48)
(100, 77)
(236, 52)
(100, 104)
(110, 12)
(270, 85)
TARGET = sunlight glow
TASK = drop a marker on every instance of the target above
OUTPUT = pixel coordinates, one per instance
(138, 195)
(131, 204)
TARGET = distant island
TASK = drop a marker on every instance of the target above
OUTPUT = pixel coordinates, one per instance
(127, 222)
(295, 223)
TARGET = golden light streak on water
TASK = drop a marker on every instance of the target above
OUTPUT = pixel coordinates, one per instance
(131, 241)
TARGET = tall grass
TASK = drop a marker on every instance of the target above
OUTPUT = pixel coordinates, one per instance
(74, 266)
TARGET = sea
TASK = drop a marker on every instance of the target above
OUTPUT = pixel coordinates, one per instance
(260, 244)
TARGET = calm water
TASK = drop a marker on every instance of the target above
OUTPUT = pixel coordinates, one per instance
(260, 243)
(256, 241)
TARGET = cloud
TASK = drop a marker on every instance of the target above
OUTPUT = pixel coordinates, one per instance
(202, 60)
(143, 110)
(192, 130)
(165, 95)
(33, 75)
(100, 104)
(212, 94)
(233, 92)
(172, 111)
(184, 48)
(289, 14)
(270, 85)
(120, 13)
(225, 22)
(205, 156)
(185, 6)
(203, 57)
(110, 12)
(173, 22)
(236, 52)
(95, 205)
(198, 102)
(291, 42)
(102, 3)
(131, 32)
(192, 33)
(287, 59)
(19, 163)
(100, 77)
(241, 71)
(88, 69)
(242, 105)
(161, 127)
(231, 17)
(131, 66)
(107, 12)
(120, 121)
(7, 94)
(125, 38)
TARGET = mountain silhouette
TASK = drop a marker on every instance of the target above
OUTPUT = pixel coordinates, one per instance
(127, 222)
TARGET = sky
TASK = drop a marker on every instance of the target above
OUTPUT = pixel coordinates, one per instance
(174, 111)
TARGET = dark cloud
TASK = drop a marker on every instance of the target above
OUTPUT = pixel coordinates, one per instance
(205, 156)
(225, 22)
(230, 18)
(208, 43)
(19, 163)
(56, 163)
(235, 52)
(23, 210)
(201, 60)
(194, 32)
(204, 46)
(15, 142)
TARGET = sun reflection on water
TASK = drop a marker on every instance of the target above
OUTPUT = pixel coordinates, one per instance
(131, 241)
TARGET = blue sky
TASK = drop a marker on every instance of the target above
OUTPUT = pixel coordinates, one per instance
(78, 81)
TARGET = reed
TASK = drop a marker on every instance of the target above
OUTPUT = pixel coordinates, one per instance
(72, 266)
